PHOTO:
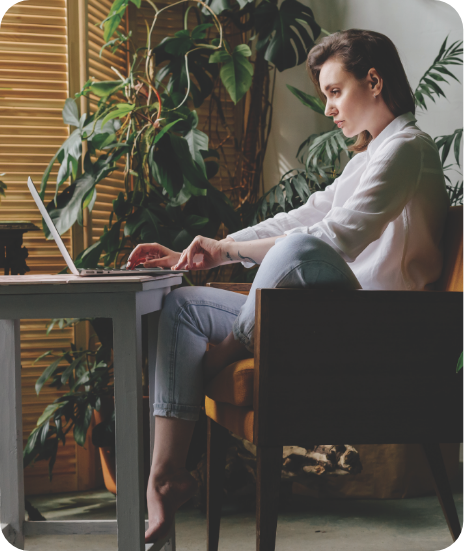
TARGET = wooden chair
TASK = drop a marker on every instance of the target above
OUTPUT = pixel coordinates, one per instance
(330, 366)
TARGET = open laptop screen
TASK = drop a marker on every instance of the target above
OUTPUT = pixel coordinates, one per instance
(51, 226)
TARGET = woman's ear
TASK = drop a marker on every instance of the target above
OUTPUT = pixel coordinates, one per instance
(375, 81)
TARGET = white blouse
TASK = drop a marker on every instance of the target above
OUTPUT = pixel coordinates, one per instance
(385, 215)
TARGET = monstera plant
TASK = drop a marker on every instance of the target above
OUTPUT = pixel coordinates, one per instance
(148, 121)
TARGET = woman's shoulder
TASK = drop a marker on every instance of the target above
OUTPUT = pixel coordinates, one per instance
(407, 145)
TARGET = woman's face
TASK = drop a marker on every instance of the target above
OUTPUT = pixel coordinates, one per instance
(348, 99)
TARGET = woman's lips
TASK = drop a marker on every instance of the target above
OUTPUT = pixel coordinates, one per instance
(340, 124)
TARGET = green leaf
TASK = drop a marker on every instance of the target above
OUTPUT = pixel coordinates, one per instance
(45, 354)
(199, 31)
(280, 197)
(459, 366)
(48, 412)
(221, 56)
(191, 170)
(70, 113)
(289, 192)
(427, 85)
(48, 372)
(179, 45)
(218, 6)
(309, 101)
(69, 202)
(82, 424)
(71, 367)
(197, 142)
(290, 39)
(114, 19)
(122, 109)
(163, 131)
(164, 166)
(106, 88)
(195, 223)
(237, 71)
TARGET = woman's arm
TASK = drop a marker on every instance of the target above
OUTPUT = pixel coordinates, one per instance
(247, 251)
(210, 253)
(386, 186)
(314, 210)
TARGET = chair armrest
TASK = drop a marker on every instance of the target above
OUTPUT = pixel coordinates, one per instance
(242, 288)
(357, 366)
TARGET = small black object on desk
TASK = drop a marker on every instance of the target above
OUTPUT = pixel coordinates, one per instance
(12, 254)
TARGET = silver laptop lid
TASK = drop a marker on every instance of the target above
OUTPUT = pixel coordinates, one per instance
(51, 227)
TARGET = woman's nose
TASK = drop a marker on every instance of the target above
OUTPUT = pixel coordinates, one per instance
(328, 109)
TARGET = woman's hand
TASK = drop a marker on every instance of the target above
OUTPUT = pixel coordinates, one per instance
(210, 249)
(152, 255)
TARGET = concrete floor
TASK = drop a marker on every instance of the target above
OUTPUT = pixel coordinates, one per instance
(305, 523)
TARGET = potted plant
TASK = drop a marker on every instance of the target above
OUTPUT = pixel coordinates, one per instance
(149, 119)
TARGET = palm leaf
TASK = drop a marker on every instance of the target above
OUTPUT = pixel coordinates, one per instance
(445, 142)
(437, 72)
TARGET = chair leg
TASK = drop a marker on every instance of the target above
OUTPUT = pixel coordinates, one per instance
(269, 470)
(217, 441)
(443, 488)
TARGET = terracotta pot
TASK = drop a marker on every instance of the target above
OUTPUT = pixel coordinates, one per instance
(107, 457)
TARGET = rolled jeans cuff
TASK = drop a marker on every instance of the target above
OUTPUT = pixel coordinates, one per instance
(189, 413)
(239, 336)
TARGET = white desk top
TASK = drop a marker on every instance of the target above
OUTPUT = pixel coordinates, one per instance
(25, 284)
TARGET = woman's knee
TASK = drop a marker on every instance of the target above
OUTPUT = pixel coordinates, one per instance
(302, 246)
(177, 300)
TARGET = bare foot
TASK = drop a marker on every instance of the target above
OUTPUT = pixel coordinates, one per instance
(165, 494)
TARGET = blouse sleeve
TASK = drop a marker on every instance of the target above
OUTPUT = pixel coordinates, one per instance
(314, 210)
(385, 188)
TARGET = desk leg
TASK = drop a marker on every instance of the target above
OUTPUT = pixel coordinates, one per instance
(153, 322)
(11, 435)
(130, 501)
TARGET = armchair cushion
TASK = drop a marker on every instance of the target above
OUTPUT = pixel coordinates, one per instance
(234, 384)
(239, 420)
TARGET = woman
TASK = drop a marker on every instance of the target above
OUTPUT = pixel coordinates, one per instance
(377, 226)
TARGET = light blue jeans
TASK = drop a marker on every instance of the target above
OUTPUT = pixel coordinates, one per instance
(193, 316)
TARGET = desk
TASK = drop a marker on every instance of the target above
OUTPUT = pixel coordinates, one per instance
(125, 299)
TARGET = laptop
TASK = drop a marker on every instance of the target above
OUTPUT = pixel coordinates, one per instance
(83, 272)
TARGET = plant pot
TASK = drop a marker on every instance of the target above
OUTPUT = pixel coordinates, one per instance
(107, 457)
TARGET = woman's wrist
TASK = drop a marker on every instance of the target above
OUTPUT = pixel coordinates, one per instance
(227, 251)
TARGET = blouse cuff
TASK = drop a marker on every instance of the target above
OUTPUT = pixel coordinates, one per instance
(247, 234)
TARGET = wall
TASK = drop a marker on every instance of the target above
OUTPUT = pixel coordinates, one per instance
(416, 27)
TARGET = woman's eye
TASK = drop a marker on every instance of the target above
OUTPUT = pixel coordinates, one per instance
(335, 91)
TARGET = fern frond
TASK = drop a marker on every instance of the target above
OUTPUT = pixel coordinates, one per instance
(437, 72)
(445, 142)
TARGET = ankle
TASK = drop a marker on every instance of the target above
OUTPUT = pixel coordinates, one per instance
(161, 475)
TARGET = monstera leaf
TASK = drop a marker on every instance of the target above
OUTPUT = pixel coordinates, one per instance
(237, 71)
(173, 49)
(69, 204)
(284, 31)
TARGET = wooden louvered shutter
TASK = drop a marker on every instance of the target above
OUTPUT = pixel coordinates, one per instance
(34, 87)
(100, 69)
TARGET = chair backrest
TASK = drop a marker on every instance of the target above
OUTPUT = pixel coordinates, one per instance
(451, 276)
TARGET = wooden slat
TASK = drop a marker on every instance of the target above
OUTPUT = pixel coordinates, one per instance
(100, 69)
(33, 65)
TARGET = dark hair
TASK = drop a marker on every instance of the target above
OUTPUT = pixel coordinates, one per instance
(358, 51)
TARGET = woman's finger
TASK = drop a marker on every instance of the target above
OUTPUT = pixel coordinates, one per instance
(194, 248)
(180, 262)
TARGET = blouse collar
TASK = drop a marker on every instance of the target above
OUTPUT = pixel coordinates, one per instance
(395, 126)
